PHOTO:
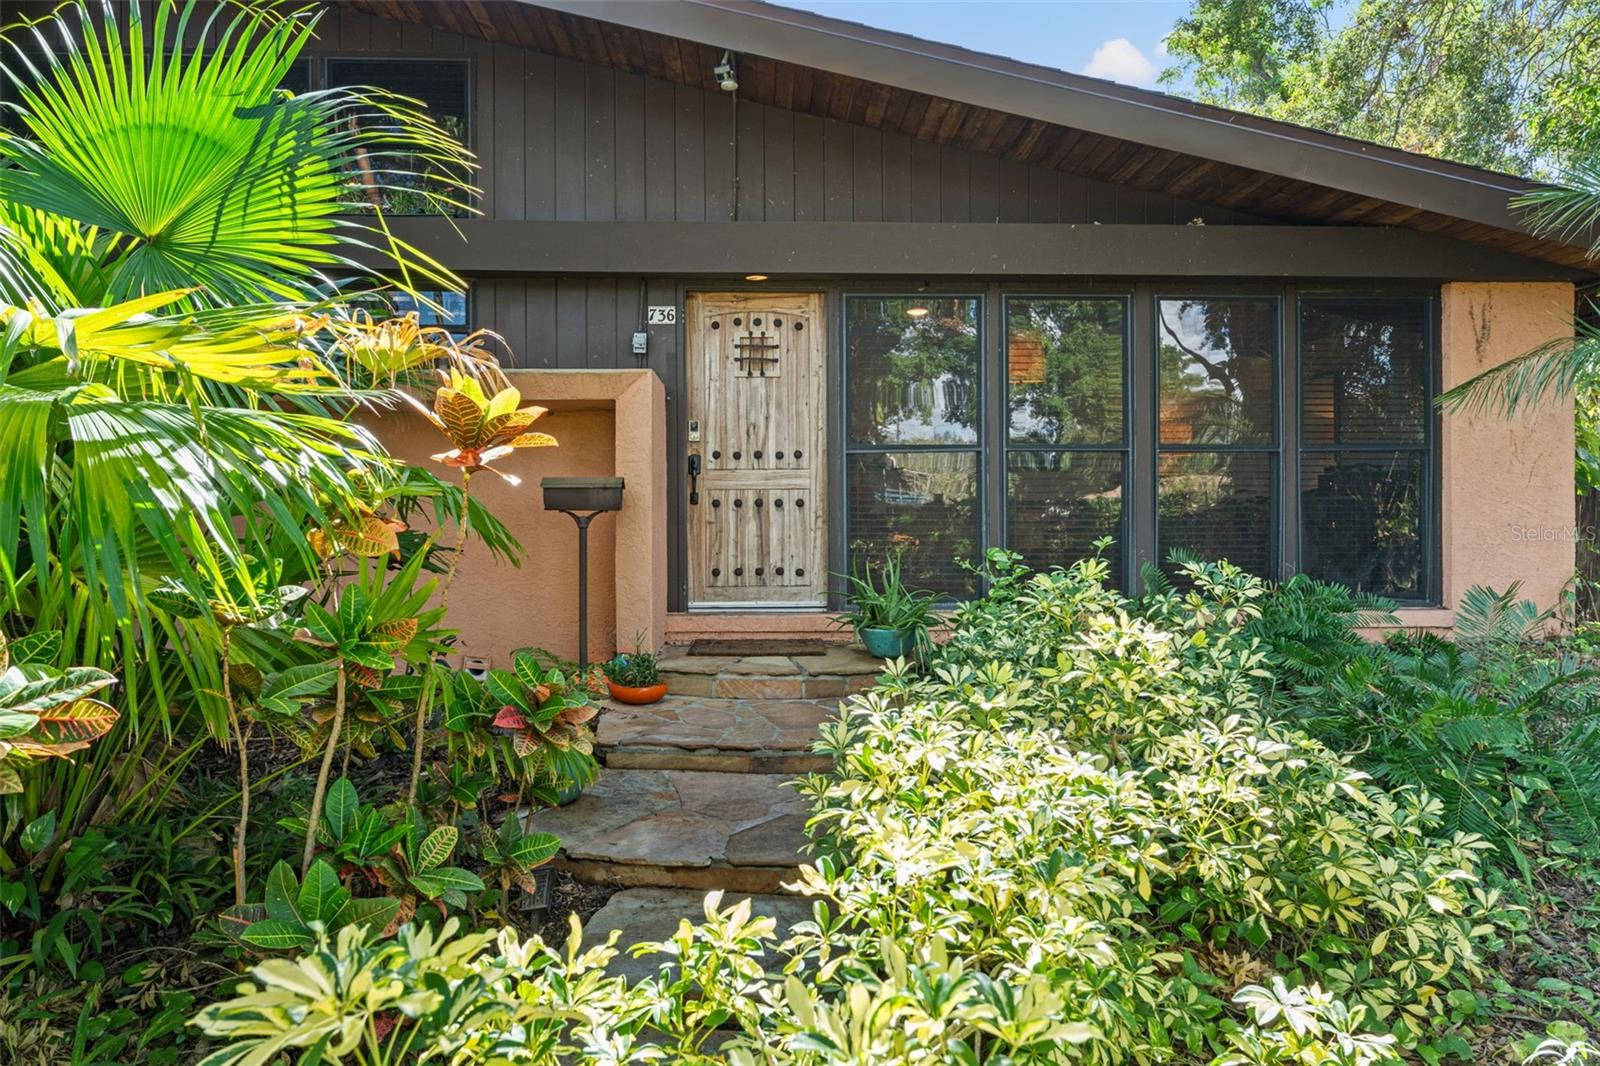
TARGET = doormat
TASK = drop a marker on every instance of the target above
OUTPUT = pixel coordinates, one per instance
(758, 647)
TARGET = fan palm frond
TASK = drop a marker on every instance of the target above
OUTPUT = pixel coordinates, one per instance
(191, 168)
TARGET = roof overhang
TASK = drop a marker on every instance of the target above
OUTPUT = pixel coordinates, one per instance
(1054, 96)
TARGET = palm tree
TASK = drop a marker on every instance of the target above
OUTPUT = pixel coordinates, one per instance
(145, 167)
(172, 231)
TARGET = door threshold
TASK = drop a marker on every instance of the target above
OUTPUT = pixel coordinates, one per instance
(756, 608)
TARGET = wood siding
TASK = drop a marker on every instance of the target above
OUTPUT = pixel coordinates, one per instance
(563, 140)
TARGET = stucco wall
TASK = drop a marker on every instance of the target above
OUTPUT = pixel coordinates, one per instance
(1507, 493)
(606, 422)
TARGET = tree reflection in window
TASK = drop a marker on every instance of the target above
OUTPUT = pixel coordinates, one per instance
(913, 370)
(1217, 359)
(1065, 363)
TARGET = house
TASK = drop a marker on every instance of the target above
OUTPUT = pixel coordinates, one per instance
(820, 292)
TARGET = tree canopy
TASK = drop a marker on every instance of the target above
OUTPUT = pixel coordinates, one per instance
(1508, 84)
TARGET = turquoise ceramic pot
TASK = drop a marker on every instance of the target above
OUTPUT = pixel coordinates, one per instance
(888, 643)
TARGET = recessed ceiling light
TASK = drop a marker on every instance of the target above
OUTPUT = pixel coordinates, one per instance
(917, 312)
(755, 277)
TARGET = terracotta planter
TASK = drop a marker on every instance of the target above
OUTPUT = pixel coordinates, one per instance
(630, 694)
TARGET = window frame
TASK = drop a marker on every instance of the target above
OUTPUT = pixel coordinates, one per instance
(1432, 511)
(1141, 446)
(320, 80)
(1007, 445)
(1275, 448)
(978, 448)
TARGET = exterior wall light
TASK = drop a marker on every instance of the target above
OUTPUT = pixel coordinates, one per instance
(725, 74)
(755, 277)
(916, 312)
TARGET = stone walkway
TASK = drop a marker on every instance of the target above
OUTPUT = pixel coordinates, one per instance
(696, 792)
(701, 733)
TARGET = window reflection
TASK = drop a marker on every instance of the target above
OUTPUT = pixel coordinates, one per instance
(1217, 363)
(921, 506)
(913, 370)
(1065, 361)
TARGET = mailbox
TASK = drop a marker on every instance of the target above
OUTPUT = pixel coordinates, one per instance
(583, 498)
(582, 493)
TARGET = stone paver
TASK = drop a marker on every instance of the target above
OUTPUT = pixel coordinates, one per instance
(643, 915)
(698, 724)
(657, 823)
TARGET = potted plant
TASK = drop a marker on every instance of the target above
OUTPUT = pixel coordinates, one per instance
(890, 620)
(635, 678)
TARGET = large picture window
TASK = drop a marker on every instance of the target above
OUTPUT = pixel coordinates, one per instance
(912, 427)
(1066, 440)
(1366, 432)
(1280, 430)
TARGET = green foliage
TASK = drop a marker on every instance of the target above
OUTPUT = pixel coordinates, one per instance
(1501, 731)
(106, 198)
(1077, 850)
(295, 912)
(635, 669)
(1303, 1025)
(880, 600)
(46, 714)
(1506, 84)
(531, 720)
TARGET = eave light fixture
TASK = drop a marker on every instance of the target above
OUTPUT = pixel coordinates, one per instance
(917, 312)
(755, 277)
(726, 78)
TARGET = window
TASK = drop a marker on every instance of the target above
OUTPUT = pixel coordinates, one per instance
(912, 429)
(397, 183)
(1066, 445)
(1281, 430)
(1366, 437)
(1216, 473)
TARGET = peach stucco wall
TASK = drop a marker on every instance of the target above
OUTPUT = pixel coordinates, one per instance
(1507, 493)
(606, 422)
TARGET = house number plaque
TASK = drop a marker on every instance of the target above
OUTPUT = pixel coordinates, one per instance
(661, 315)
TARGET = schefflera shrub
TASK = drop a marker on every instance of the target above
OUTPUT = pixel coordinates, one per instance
(1091, 790)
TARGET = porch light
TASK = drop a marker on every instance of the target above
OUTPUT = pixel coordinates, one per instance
(916, 312)
(725, 76)
(755, 277)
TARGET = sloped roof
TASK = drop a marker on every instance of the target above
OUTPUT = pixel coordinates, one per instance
(945, 94)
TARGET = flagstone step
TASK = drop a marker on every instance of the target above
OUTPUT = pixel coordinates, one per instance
(681, 828)
(705, 733)
(642, 915)
(839, 671)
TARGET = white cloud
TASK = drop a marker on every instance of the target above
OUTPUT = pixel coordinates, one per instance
(1119, 59)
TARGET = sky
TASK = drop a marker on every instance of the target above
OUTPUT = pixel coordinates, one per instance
(1115, 39)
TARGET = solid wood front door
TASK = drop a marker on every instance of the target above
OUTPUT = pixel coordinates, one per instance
(757, 506)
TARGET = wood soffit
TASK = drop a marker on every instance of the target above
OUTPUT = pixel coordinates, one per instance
(943, 120)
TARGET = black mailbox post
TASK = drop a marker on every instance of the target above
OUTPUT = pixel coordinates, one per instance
(582, 498)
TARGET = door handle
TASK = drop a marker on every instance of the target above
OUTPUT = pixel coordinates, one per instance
(694, 480)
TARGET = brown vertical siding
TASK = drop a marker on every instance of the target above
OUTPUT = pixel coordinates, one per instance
(562, 140)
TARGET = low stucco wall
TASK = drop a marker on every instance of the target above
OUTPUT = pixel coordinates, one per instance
(606, 422)
(1507, 500)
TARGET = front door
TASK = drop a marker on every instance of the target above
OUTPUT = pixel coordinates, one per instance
(757, 506)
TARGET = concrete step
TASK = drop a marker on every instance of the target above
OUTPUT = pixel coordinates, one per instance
(839, 671)
(681, 828)
(652, 915)
(704, 733)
